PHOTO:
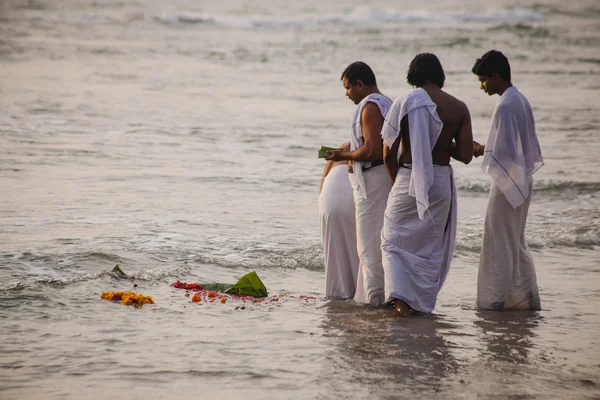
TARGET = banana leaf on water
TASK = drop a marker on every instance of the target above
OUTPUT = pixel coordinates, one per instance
(248, 285)
(118, 272)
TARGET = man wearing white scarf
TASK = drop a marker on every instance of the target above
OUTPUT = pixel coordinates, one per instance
(507, 278)
(424, 128)
(368, 177)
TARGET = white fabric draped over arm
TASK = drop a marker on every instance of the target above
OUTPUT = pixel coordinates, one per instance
(357, 140)
(391, 125)
(512, 151)
(424, 131)
(424, 127)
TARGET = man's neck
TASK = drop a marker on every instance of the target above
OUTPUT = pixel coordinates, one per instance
(371, 90)
(431, 88)
(503, 87)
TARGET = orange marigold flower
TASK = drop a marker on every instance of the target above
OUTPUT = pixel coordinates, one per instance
(127, 298)
(223, 299)
(212, 294)
(196, 298)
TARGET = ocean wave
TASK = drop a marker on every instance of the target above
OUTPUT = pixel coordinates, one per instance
(359, 17)
(576, 12)
(46, 278)
(588, 240)
(584, 235)
(541, 185)
(522, 29)
(310, 258)
(554, 185)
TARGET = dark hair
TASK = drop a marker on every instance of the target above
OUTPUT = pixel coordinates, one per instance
(425, 67)
(492, 62)
(359, 71)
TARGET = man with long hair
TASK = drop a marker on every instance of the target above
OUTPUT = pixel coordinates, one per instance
(424, 129)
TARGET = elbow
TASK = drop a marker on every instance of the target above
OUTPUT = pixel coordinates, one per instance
(374, 155)
(465, 155)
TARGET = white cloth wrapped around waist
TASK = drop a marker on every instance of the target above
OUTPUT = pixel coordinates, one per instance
(417, 252)
(338, 230)
(507, 279)
(369, 222)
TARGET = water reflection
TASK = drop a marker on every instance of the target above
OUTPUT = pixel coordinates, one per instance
(507, 336)
(378, 353)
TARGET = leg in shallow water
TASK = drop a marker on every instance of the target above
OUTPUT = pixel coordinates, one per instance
(402, 308)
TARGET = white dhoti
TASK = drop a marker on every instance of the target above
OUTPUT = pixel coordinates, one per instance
(417, 252)
(338, 229)
(507, 278)
(369, 221)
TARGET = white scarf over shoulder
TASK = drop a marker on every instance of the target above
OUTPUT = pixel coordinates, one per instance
(425, 127)
(512, 152)
(356, 137)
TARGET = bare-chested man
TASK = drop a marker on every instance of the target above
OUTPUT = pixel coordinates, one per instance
(429, 126)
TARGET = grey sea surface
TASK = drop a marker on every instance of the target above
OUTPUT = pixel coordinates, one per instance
(179, 140)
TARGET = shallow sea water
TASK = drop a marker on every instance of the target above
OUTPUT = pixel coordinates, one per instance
(179, 141)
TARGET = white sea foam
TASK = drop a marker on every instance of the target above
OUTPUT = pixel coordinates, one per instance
(361, 16)
(482, 184)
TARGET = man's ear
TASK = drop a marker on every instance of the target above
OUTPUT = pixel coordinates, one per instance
(359, 84)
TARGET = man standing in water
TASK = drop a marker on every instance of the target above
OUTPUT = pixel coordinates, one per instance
(428, 127)
(338, 231)
(368, 177)
(507, 278)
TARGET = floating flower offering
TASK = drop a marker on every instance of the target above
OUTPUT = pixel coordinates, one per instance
(127, 298)
(249, 288)
(186, 286)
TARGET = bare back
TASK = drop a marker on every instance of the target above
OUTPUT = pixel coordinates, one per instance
(457, 127)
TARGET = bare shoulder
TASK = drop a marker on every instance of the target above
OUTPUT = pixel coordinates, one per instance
(460, 106)
(457, 106)
(463, 109)
(456, 101)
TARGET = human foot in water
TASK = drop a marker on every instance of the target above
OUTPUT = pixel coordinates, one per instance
(402, 308)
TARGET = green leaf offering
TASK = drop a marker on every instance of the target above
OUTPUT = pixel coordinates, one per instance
(220, 287)
(118, 271)
(323, 151)
(248, 285)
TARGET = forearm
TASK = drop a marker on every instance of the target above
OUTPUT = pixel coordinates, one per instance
(464, 154)
(454, 151)
(363, 154)
(390, 160)
(391, 166)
